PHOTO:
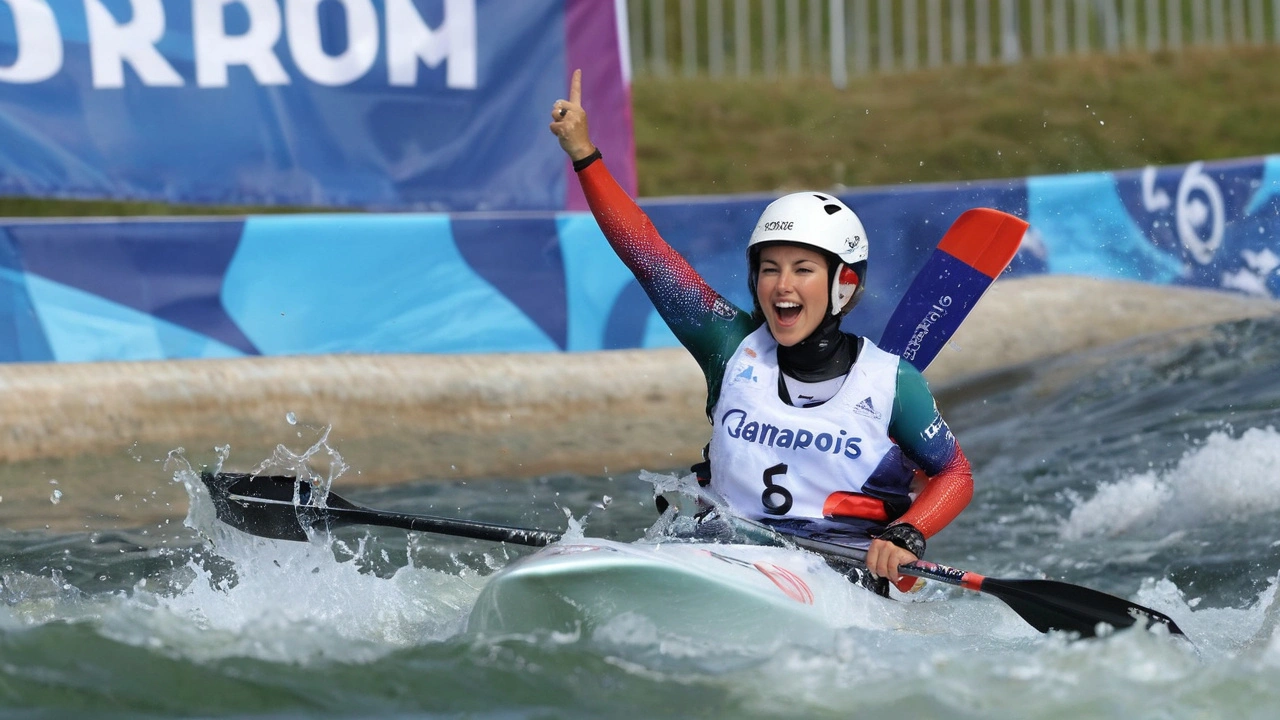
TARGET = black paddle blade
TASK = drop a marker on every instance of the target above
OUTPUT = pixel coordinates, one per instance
(262, 505)
(1051, 605)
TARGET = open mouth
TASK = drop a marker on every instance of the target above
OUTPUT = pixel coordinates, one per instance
(787, 312)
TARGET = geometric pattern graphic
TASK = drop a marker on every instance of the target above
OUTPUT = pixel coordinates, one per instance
(128, 289)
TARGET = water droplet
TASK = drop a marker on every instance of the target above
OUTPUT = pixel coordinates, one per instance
(291, 418)
(55, 497)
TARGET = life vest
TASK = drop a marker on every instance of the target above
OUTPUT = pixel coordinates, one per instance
(775, 462)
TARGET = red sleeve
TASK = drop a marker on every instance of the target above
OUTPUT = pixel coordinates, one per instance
(707, 324)
(633, 236)
(943, 497)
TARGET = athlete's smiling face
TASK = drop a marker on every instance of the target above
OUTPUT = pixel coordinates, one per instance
(793, 290)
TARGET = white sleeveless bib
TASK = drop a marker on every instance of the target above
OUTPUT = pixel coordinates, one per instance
(772, 460)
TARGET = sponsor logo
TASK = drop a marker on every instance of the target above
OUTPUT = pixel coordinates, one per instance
(788, 582)
(936, 312)
(746, 374)
(945, 574)
(739, 426)
(778, 226)
(934, 428)
(749, 352)
(722, 308)
(866, 409)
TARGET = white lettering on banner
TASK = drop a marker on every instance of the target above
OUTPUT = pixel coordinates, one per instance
(1203, 213)
(303, 22)
(39, 43)
(1153, 198)
(216, 51)
(112, 44)
(410, 40)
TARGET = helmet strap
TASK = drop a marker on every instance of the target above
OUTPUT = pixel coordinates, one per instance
(844, 283)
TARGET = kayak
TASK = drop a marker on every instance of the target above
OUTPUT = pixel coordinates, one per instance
(689, 588)
(694, 590)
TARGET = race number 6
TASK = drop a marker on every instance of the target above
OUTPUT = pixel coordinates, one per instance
(775, 498)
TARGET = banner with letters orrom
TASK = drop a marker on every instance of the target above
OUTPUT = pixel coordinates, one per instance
(377, 104)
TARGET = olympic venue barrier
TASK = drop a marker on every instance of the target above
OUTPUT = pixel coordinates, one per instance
(143, 289)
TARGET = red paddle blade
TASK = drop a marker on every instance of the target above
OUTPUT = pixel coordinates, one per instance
(977, 248)
(984, 239)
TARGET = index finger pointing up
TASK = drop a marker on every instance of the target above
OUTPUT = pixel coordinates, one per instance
(575, 88)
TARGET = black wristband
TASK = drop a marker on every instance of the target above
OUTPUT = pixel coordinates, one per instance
(580, 165)
(905, 536)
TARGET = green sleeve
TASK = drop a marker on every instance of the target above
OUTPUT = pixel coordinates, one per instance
(916, 424)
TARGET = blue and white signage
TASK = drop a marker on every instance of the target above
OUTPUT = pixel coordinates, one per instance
(391, 104)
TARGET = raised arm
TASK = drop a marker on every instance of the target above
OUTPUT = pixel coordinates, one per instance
(706, 323)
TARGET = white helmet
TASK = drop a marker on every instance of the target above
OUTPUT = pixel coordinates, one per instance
(819, 221)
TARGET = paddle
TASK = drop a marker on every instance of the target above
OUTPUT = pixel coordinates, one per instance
(282, 508)
(1045, 604)
(977, 247)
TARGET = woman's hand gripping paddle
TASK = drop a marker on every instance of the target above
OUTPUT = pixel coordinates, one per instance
(1045, 604)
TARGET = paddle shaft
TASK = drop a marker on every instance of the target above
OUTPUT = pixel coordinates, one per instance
(1044, 604)
(920, 569)
(285, 508)
(443, 526)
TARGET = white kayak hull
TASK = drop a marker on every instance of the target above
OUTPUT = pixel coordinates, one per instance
(691, 590)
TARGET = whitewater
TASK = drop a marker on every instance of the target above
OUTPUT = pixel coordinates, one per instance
(1145, 469)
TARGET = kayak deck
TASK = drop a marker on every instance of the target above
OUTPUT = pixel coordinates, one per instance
(692, 590)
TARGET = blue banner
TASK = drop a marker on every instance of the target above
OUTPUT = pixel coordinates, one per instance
(438, 105)
(546, 282)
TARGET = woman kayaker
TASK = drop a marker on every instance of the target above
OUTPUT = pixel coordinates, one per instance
(814, 431)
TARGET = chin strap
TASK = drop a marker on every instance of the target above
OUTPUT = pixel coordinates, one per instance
(844, 284)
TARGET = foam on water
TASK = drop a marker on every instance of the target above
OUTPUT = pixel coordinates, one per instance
(242, 596)
(295, 603)
(1225, 478)
(939, 651)
(290, 602)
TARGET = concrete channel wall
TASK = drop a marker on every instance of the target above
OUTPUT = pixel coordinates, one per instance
(400, 417)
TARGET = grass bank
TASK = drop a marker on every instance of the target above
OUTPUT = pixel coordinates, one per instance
(1036, 118)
